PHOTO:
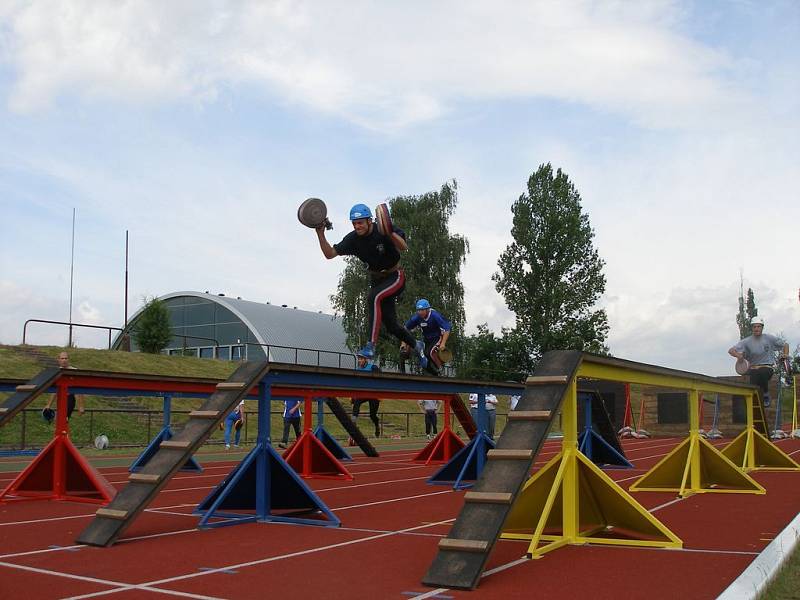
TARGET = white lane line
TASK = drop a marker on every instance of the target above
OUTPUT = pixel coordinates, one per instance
(340, 508)
(68, 517)
(59, 574)
(436, 592)
(148, 589)
(119, 586)
(358, 485)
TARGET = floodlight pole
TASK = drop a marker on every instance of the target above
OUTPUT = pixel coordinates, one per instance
(71, 272)
(125, 326)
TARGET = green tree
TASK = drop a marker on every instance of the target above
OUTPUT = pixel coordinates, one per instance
(747, 310)
(494, 358)
(432, 264)
(551, 276)
(152, 329)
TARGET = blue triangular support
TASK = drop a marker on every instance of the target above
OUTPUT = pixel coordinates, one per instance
(602, 454)
(266, 485)
(166, 433)
(331, 444)
(466, 466)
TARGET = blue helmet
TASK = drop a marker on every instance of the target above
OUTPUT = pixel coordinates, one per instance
(367, 352)
(423, 304)
(360, 211)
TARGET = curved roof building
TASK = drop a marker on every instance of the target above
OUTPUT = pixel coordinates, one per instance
(218, 326)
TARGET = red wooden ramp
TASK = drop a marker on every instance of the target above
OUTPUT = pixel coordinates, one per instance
(463, 553)
(110, 522)
(463, 415)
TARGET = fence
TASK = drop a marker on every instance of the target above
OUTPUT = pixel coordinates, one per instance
(28, 430)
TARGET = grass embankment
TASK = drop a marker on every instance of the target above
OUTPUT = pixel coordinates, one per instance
(125, 428)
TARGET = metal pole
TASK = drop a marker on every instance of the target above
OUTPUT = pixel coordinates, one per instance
(125, 326)
(71, 272)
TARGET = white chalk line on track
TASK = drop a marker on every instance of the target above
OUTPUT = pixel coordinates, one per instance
(117, 584)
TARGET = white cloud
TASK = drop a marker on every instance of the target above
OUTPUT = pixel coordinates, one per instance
(381, 65)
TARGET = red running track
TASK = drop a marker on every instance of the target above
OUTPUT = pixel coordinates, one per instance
(391, 523)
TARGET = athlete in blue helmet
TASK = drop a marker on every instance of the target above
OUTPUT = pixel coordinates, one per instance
(435, 331)
(381, 256)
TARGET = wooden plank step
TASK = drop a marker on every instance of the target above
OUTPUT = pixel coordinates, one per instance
(204, 414)
(495, 454)
(529, 415)
(27, 387)
(111, 513)
(144, 477)
(489, 497)
(547, 380)
(463, 545)
(231, 385)
(175, 444)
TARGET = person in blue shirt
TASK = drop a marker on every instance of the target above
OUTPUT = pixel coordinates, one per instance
(234, 422)
(435, 331)
(365, 363)
(381, 256)
(291, 418)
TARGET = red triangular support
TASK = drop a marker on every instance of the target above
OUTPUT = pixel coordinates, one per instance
(440, 449)
(60, 472)
(312, 460)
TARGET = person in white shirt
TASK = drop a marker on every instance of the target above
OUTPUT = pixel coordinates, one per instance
(491, 411)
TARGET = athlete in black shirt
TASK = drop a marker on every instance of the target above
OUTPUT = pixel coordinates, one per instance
(381, 255)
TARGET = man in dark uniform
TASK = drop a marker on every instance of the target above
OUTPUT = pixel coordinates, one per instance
(381, 255)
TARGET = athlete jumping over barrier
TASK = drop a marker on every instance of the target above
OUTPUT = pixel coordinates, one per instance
(378, 245)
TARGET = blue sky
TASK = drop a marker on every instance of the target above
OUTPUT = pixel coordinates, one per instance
(200, 126)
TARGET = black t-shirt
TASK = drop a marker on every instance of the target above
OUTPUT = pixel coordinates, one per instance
(374, 249)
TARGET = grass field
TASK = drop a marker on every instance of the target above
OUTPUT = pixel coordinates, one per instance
(398, 417)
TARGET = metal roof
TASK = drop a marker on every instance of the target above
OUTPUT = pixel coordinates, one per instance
(279, 326)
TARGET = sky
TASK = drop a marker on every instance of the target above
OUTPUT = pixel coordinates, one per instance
(199, 126)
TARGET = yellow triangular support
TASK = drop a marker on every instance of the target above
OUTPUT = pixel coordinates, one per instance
(571, 501)
(750, 451)
(694, 467)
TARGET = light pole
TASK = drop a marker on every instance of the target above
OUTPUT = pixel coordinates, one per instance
(71, 273)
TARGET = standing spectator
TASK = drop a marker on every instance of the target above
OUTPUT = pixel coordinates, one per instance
(234, 420)
(430, 408)
(491, 411)
(72, 399)
(435, 331)
(291, 418)
(365, 363)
